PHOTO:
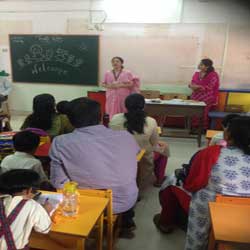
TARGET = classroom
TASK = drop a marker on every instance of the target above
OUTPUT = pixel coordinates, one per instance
(124, 124)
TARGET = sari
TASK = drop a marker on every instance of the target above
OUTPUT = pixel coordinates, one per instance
(115, 98)
(208, 94)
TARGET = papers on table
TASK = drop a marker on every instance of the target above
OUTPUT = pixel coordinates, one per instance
(53, 199)
(175, 102)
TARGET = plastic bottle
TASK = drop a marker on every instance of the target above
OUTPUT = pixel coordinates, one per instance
(70, 199)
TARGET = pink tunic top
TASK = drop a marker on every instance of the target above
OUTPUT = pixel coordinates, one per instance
(210, 91)
(115, 98)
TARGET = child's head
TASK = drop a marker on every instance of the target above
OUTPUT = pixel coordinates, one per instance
(26, 141)
(227, 119)
(62, 107)
(19, 182)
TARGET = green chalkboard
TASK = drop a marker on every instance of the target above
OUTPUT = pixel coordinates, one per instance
(69, 59)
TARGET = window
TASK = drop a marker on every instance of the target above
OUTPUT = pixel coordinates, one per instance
(143, 11)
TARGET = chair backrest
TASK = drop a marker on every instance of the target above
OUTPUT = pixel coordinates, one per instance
(233, 199)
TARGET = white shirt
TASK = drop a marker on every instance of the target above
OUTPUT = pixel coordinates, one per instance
(32, 215)
(5, 86)
(21, 160)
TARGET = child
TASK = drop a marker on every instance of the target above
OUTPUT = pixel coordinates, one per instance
(218, 139)
(25, 144)
(19, 213)
(62, 108)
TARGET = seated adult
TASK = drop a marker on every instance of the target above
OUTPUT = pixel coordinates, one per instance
(97, 158)
(214, 170)
(44, 117)
(145, 131)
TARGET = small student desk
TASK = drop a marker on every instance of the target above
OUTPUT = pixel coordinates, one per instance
(183, 108)
(71, 233)
(210, 134)
(230, 223)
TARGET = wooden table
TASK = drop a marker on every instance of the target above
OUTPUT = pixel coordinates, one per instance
(184, 108)
(230, 223)
(71, 233)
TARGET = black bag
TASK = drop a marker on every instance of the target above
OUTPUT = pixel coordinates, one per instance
(182, 173)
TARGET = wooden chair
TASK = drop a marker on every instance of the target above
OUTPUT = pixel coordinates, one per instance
(109, 218)
(230, 200)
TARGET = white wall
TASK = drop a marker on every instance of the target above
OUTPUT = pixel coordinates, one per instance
(160, 54)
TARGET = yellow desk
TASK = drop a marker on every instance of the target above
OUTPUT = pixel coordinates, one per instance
(140, 155)
(70, 233)
(230, 223)
(211, 133)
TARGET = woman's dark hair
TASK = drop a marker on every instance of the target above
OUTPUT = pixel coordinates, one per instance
(136, 116)
(118, 58)
(26, 141)
(18, 180)
(62, 107)
(43, 112)
(208, 63)
(227, 119)
(84, 112)
(239, 132)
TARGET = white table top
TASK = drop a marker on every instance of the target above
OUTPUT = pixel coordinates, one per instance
(175, 102)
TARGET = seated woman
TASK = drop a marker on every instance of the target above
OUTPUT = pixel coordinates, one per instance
(144, 129)
(44, 117)
(214, 170)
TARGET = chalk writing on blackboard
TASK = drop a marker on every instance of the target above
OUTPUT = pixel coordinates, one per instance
(18, 40)
(39, 54)
(83, 47)
(43, 68)
(46, 58)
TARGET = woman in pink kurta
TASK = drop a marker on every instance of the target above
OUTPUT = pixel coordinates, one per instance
(205, 87)
(119, 84)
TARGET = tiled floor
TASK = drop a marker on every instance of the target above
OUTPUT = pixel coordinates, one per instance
(147, 237)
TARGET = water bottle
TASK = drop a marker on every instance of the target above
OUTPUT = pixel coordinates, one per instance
(70, 199)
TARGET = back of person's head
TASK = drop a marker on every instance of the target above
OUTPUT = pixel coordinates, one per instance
(84, 112)
(227, 119)
(43, 111)
(18, 180)
(62, 107)
(239, 133)
(136, 116)
(26, 141)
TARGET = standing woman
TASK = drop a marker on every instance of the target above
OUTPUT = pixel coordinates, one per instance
(119, 84)
(205, 87)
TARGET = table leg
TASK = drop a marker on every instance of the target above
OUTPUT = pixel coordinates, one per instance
(200, 130)
(211, 243)
(100, 233)
(80, 244)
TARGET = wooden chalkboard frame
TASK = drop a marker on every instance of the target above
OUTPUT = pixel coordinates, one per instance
(77, 84)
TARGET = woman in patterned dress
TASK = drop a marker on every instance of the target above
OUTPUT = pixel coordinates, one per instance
(119, 83)
(205, 88)
(214, 170)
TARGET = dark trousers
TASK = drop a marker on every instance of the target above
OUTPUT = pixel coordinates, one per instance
(127, 218)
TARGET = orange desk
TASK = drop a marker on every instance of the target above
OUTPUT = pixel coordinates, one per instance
(230, 223)
(71, 233)
(211, 133)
